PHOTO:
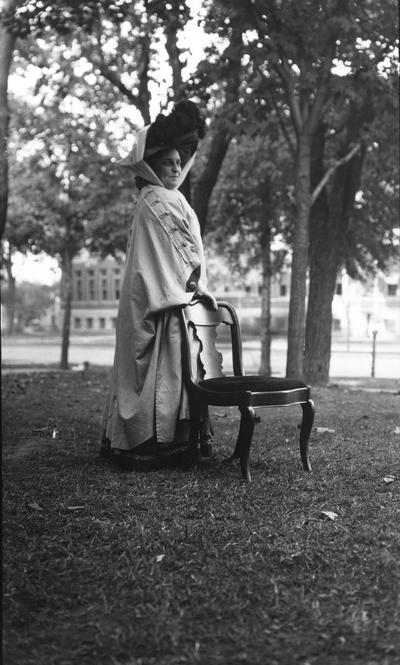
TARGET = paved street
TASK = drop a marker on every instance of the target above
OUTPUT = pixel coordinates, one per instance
(352, 359)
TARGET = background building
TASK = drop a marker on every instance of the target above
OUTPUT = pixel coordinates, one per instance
(358, 308)
(96, 288)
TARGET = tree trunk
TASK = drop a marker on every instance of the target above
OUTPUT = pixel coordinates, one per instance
(66, 280)
(323, 274)
(323, 270)
(10, 307)
(328, 238)
(221, 129)
(297, 306)
(7, 41)
(171, 28)
(265, 321)
(205, 184)
(330, 219)
(11, 295)
(144, 97)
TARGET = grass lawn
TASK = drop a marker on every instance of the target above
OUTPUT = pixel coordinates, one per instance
(171, 567)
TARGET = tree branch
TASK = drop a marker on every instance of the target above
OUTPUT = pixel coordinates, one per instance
(112, 76)
(282, 69)
(331, 170)
(282, 125)
(286, 77)
(171, 45)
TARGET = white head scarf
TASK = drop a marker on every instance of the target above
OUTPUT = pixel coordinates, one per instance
(135, 160)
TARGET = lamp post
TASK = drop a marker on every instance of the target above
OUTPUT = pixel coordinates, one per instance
(374, 334)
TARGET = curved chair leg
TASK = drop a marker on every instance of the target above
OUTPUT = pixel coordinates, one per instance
(236, 452)
(306, 425)
(242, 449)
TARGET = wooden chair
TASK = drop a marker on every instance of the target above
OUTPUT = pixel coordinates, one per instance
(201, 358)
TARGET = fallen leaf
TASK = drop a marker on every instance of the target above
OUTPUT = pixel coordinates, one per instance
(396, 430)
(55, 433)
(34, 506)
(328, 514)
(159, 557)
(389, 479)
(75, 507)
(325, 430)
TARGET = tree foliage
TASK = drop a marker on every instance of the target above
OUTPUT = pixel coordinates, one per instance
(117, 48)
(316, 76)
(66, 192)
(63, 181)
(32, 301)
(253, 192)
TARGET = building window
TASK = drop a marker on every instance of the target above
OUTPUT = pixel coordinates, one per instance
(77, 323)
(78, 273)
(102, 323)
(339, 291)
(92, 291)
(283, 289)
(89, 323)
(103, 271)
(114, 322)
(390, 325)
(79, 293)
(247, 288)
(392, 289)
(104, 289)
(117, 284)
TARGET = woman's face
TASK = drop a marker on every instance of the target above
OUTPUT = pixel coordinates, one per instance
(168, 168)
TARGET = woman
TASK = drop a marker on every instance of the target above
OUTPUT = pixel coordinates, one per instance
(146, 416)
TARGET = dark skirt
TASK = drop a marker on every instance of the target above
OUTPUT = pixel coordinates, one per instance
(152, 455)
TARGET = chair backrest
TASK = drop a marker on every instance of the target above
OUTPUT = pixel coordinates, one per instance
(203, 329)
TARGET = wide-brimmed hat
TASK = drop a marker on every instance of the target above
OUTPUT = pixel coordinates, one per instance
(141, 151)
(180, 130)
(136, 161)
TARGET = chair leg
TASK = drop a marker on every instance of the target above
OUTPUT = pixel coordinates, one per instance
(193, 451)
(242, 449)
(306, 425)
(236, 452)
(205, 433)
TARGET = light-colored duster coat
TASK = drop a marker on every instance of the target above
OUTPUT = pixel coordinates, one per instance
(164, 261)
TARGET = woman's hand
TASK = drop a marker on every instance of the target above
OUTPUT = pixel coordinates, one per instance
(206, 297)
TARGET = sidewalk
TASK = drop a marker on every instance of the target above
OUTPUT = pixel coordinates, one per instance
(353, 361)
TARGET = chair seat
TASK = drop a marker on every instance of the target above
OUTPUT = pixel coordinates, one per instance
(253, 382)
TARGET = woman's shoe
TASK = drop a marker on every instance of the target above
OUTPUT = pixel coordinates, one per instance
(131, 460)
(105, 450)
(206, 447)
